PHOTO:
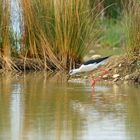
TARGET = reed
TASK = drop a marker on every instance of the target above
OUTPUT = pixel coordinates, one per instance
(5, 45)
(132, 28)
(73, 30)
(34, 42)
(57, 31)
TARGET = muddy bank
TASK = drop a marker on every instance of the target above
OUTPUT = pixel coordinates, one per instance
(22, 65)
(120, 69)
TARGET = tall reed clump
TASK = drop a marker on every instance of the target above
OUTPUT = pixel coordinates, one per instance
(72, 30)
(34, 43)
(5, 47)
(132, 28)
(57, 31)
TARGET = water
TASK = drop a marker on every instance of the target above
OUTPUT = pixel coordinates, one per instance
(43, 106)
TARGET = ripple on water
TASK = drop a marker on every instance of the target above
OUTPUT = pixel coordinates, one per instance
(84, 84)
(37, 108)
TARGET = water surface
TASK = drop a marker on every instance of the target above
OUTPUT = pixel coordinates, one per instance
(44, 106)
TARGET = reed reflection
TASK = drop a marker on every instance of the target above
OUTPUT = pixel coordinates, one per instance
(44, 106)
(133, 113)
(16, 112)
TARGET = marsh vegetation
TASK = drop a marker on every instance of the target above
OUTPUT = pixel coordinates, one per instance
(56, 35)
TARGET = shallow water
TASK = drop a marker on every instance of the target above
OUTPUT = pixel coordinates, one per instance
(44, 106)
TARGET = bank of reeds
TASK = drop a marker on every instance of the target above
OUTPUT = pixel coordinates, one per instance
(5, 43)
(34, 43)
(132, 28)
(57, 32)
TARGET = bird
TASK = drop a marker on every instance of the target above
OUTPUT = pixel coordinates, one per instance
(91, 65)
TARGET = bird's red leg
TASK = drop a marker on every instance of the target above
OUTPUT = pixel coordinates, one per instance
(104, 70)
(93, 82)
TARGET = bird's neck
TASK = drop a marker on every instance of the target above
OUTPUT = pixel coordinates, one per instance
(76, 70)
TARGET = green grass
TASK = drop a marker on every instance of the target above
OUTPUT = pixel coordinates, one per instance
(112, 33)
(132, 29)
(59, 33)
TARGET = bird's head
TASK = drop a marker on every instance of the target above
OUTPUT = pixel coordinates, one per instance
(72, 72)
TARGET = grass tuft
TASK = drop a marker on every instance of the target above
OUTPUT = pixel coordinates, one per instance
(57, 31)
(5, 43)
(132, 28)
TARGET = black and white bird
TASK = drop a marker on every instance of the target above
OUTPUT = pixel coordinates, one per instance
(89, 65)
